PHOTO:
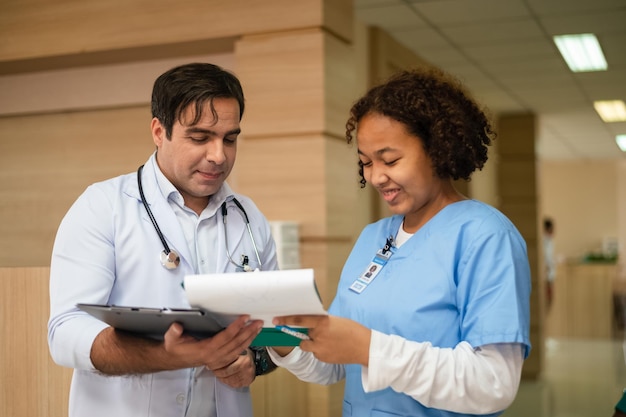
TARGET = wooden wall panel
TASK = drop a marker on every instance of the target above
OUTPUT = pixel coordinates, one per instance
(70, 27)
(46, 162)
(279, 394)
(296, 83)
(327, 258)
(95, 87)
(285, 176)
(309, 179)
(342, 85)
(344, 195)
(284, 79)
(325, 401)
(31, 383)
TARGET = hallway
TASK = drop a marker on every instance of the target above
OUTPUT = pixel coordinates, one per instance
(584, 370)
(582, 378)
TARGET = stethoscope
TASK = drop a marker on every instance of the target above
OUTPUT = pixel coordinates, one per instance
(170, 259)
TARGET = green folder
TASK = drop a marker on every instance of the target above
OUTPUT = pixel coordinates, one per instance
(271, 336)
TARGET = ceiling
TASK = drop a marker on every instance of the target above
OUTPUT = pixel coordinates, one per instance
(503, 51)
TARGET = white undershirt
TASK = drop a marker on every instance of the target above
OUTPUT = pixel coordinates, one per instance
(462, 379)
(402, 236)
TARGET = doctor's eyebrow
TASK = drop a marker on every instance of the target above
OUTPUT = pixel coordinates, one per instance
(209, 132)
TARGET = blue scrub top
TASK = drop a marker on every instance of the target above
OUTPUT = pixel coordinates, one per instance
(464, 276)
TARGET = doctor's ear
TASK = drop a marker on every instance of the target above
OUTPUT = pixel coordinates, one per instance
(159, 133)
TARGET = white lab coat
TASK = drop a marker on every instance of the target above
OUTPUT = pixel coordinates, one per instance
(107, 252)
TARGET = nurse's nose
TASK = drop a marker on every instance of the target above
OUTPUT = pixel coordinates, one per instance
(377, 175)
(215, 151)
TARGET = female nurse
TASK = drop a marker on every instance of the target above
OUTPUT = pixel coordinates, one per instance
(442, 327)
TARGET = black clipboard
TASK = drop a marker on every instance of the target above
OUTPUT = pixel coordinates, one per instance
(154, 322)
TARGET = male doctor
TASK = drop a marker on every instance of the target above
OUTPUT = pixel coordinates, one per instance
(131, 240)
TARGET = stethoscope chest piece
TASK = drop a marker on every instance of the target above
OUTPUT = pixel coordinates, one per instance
(170, 260)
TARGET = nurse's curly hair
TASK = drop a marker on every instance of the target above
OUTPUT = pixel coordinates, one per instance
(435, 107)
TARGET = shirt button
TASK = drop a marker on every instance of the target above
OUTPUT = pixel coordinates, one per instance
(180, 398)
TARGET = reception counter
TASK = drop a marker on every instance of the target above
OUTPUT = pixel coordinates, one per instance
(32, 384)
(583, 301)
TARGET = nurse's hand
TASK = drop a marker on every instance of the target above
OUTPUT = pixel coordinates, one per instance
(216, 352)
(238, 374)
(333, 339)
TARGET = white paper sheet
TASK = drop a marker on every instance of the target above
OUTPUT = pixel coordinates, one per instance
(261, 294)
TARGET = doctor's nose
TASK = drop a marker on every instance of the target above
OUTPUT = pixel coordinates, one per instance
(214, 152)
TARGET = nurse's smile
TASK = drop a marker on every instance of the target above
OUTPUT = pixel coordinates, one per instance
(390, 195)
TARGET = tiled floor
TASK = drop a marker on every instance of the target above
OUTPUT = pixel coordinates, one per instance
(582, 378)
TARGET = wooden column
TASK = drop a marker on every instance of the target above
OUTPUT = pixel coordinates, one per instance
(293, 161)
(517, 192)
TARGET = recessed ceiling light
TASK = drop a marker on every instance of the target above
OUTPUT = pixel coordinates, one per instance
(621, 142)
(611, 110)
(581, 52)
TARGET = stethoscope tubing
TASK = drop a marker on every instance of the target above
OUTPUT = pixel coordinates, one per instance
(152, 219)
(244, 266)
(170, 260)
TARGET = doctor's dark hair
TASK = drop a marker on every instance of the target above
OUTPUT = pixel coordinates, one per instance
(192, 84)
(435, 107)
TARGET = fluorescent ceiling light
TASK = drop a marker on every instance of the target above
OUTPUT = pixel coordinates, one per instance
(611, 110)
(581, 52)
(621, 142)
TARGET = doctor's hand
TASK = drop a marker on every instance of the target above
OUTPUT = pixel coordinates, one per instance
(240, 373)
(216, 352)
(333, 339)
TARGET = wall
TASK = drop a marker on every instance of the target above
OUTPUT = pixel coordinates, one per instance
(62, 130)
(585, 199)
(74, 110)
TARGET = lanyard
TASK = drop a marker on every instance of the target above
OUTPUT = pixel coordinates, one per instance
(374, 267)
